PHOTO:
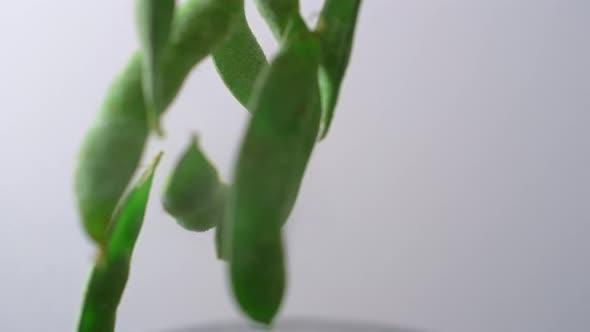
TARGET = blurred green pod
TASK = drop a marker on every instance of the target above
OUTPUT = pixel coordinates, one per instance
(239, 61)
(109, 276)
(113, 146)
(271, 162)
(336, 29)
(194, 195)
(153, 20)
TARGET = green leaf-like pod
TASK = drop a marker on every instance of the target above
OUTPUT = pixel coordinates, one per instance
(109, 276)
(336, 29)
(154, 20)
(114, 145)
(240, 60)
(194, 195)
(268, 173)
(279, 14)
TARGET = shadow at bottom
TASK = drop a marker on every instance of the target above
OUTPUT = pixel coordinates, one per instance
(299, 325)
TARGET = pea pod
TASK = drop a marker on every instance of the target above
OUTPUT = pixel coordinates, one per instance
(268, 173)
(154, 19)
(336, 29)
(114, 145)
(240, 60)
(279, 15)
(109, 275)
(194, 195)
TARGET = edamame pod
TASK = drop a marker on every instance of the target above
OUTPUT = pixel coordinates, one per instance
(239, 61)
(279, 14)
(154, 19)
(111, 151)
(268, 173)
(336, 29)
(114, 145)
(194, 195)
(109, 275)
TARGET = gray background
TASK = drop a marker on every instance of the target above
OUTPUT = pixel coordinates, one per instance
(452, 194)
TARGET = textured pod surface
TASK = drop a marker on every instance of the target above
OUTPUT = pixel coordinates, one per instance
(113, 146)
(336, 29)
(239, 61)
(194, 195)
(109, 276)
(269, 169)
(153, 20)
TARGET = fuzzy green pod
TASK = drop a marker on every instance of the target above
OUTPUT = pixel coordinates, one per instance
(153, 20)
(336, 29)
(270, 166)
(194, 195)
(240, 60)
(109, 276)
(113, 146)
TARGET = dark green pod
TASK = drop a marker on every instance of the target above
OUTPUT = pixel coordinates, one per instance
(154, 20)
(268, 173)
(109, 276)
(194, 195)
(336, 29)
(113, 146)
(240, 60)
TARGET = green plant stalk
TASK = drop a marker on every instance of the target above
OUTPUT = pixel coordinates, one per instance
(109, 276)
(113, 146)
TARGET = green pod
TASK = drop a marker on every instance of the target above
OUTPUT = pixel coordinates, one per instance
(336, 29)
(280, 15)
(194, 195)
(153, 20)
(111, 151)
(270, 166)
(109, 276)
(239, 61)
(113, 146)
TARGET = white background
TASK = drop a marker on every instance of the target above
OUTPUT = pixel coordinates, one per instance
(452, 194)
